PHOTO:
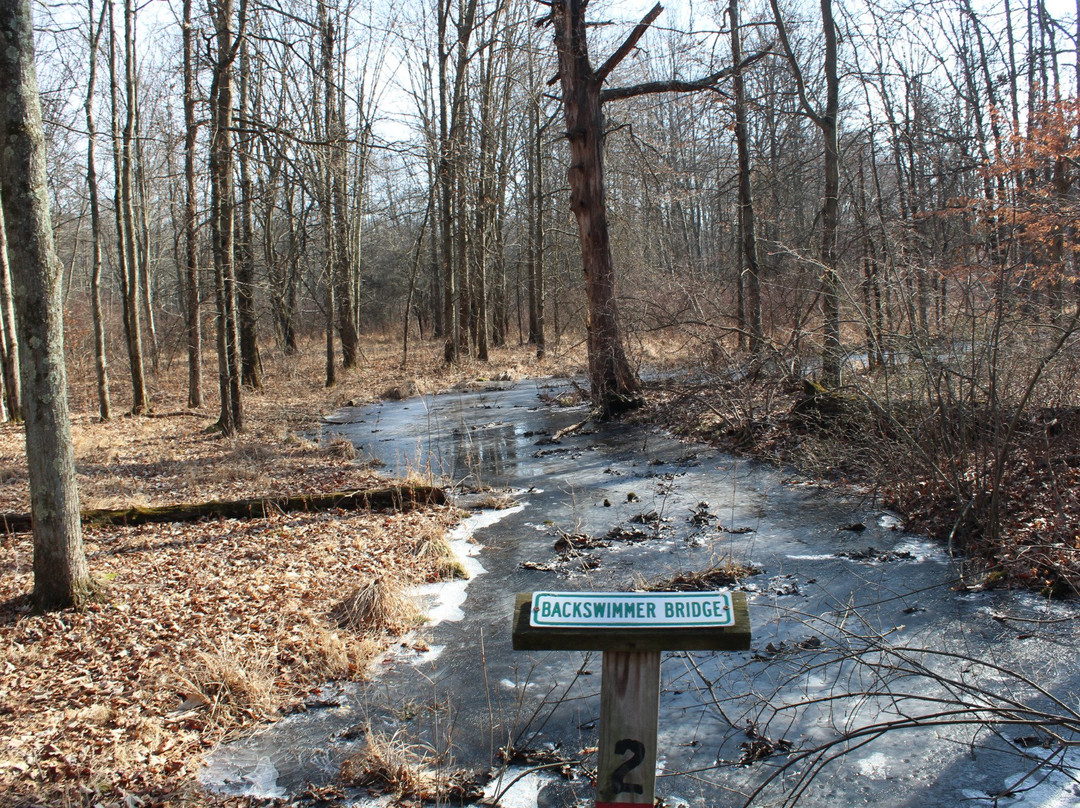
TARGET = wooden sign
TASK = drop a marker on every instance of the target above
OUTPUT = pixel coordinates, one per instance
(635, 610)
(631, 628)
(727, 628)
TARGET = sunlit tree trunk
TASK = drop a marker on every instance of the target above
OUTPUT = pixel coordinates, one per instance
(223, 216)
(61, 574)
(9, 336)
(250, 364)
(750, 269)
(132, 274)
(614, 385)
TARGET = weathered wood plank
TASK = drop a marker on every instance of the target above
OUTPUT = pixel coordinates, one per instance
(629, 707)
(533, 638)
(393, 498)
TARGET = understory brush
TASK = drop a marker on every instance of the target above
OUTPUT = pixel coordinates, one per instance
(975, 441)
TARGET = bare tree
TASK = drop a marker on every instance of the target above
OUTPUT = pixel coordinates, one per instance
(61, 574)
(228, 36)
(747, 226)
(615, 387)
(191, 243)
(100, 361)
(827, 120)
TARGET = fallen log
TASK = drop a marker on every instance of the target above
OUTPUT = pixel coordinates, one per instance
(393, 498)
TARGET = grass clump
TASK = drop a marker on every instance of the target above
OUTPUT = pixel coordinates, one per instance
(439, 560)
(233, 683)
(388, 764)
(380, 604)
(410, 773)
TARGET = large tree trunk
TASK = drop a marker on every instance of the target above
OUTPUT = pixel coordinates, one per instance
(222, 220)
(833, 356)
(61, 574)
(132, 276)
(749, 271)
(614, 386)
(250, 363)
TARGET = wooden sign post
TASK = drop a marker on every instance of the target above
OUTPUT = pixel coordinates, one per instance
(631, 628)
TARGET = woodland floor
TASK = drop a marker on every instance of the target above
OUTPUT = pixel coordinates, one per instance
(205, 628)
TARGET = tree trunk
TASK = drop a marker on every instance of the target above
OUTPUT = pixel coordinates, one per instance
(614, 386)
(828, 123)
(132, 275)
(61, 574)
(749, 269)
(191, 211)
(250, 364)
(100, 362)
(12, 379)
(833, 356)
(223, 217)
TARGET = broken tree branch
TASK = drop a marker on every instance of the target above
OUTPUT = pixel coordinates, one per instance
(628, 44)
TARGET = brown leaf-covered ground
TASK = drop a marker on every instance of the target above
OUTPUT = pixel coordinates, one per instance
(203, 630)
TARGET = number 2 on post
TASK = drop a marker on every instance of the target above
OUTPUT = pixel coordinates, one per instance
(637, 755)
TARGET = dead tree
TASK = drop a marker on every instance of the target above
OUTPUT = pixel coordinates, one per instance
(615, 387)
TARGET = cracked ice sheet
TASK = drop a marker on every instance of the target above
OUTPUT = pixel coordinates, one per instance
(239, 778)
(1052, 788)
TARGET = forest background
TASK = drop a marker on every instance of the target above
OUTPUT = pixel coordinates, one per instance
(858, 231)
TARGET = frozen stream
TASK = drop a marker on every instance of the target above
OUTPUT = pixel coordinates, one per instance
(862, 643)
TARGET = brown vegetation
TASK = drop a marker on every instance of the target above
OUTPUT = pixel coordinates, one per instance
(205, 628)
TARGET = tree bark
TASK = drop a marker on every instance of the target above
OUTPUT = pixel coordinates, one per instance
(223, 217)
(828, 123)
(750, 268)
(12, 380)
(100, 361)
(191, 243)
(126, 182)
(614, 386)
(250, 363)
(61, 574)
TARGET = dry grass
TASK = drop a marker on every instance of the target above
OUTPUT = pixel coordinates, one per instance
(380, 604)
(389, 765)
(724, 574)
(232, 682)
(437, 556)
(496, 501)
(411, 774)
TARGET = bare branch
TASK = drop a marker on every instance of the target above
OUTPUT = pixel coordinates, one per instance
(800, 83)
(628, 44)
(680, 86)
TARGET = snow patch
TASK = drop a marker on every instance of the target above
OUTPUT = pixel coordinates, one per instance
(445, 598)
